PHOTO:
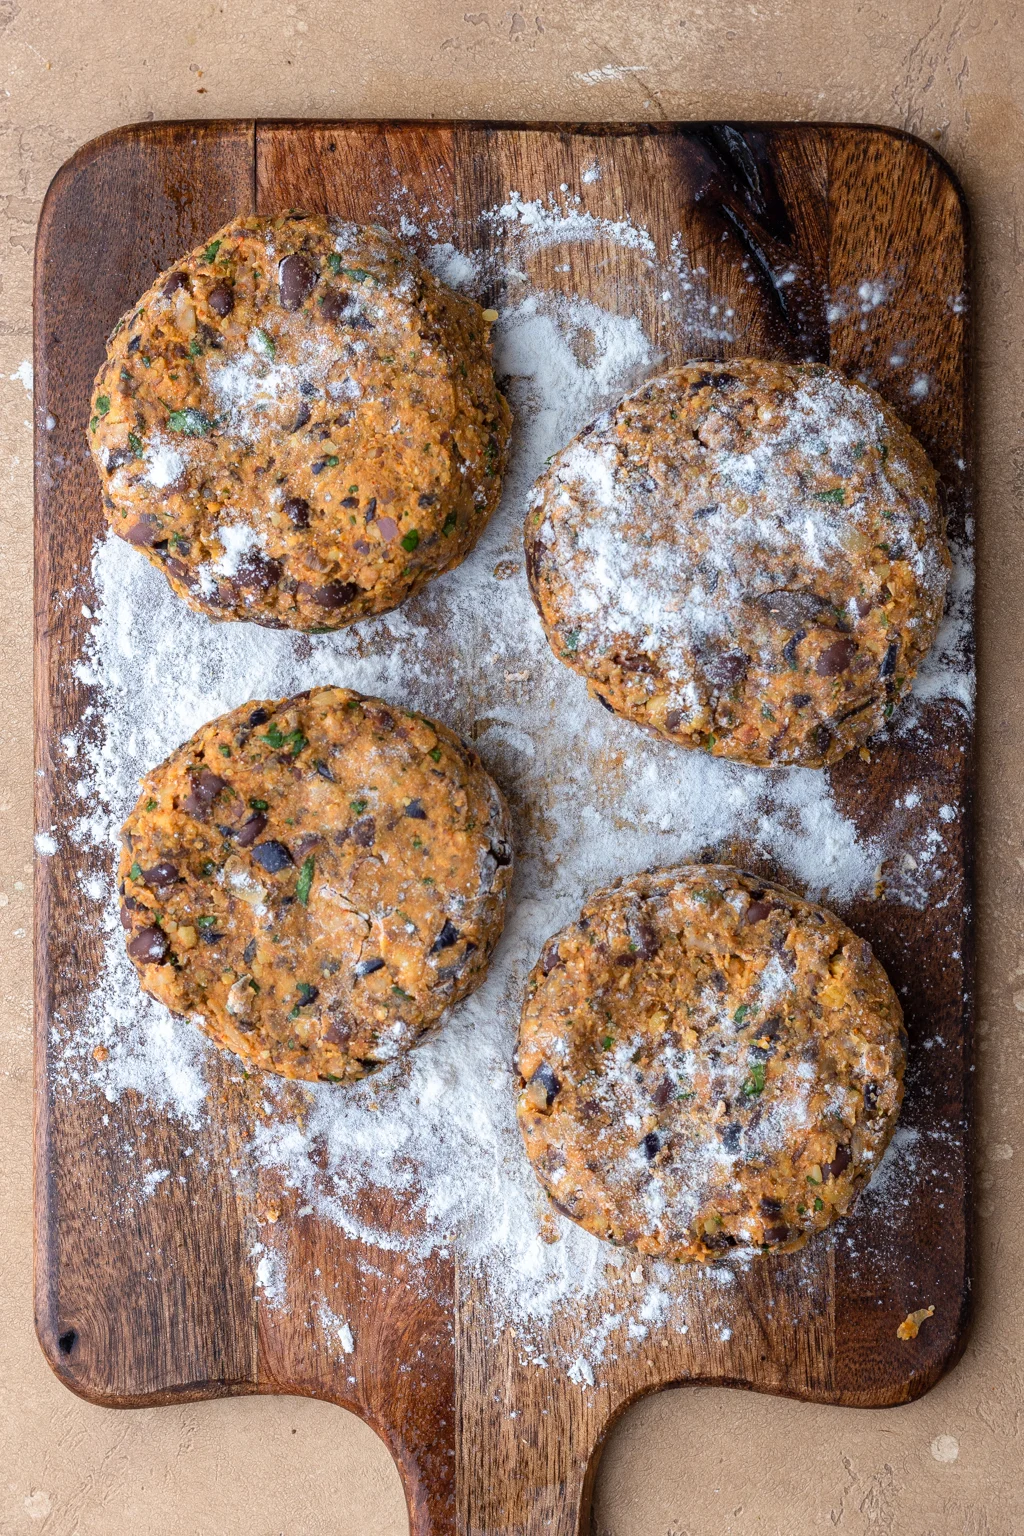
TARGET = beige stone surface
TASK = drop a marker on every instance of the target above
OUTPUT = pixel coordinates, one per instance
(693, 1462)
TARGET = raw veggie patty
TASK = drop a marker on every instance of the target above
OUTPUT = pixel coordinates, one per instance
(748, 558)
(708, 1063)
(316, 880)
(298, 424)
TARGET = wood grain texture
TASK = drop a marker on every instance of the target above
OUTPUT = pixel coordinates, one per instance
(156, 1301)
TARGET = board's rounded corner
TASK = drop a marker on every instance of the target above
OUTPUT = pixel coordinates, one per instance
(58, 1357)
(933, 155)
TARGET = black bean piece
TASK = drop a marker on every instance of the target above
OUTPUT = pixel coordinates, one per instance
(145, 533)
(651, 1145)
(296, 510)
(602, 700)
(643, 940)
(258, 573)
(822, 739)
(250, 830)
(334, 594)
(134, 345)
(302, 416)
(836, 657)
(550, 957)
(307, 994)
(323, 770)
(777, 1233)
(370, 510)
(789, 649)
(163, 873)
(426, 499)
(707, 511)
(173, 283)
(126, 914)
(350, 501)
(801, 700)
(259, 717)
(364, 832)
(448, 972)
(448, 936)
(839, 1163)
(415, 810)
(149, 945)
(757, 910)
(206, 786)
(870, 1097)
(334, 303)
(770, 1206)
(296, 281)
(221, 300)
(546, 1079)
(791, 608)
(888, 666)
(367, 967)
(726, 669)
(663, 1092)
(272, 856)
(730, 1135)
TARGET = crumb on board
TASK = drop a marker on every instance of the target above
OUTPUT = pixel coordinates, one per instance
(911, 1324)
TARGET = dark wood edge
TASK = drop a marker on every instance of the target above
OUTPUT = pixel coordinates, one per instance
(917, 1384)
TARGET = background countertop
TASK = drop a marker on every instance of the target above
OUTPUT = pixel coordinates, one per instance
(691, 1462)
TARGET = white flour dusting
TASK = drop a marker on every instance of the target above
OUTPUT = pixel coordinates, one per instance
(592, 799)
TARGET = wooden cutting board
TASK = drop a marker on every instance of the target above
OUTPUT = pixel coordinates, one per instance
(142, 1303)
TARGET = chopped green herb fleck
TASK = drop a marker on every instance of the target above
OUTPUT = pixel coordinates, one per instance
(224, 750)
(195, 348)
(135, 873)
(607, 1042)
(102, 404)
(449, 525)
(211, 250)
(358, 806)
(305, 881)
(741, 1013)
(410, 540)
(837, 496)
(435, 753)
(334, 261)
(819, 1204)
(333, 460)
(358, 274)
(262, 343)
(205, 922)
(259, 805)
(572, 639)
(399, 993)
(755, 1082)
(190, 421)
(305, 991)
(151, 805)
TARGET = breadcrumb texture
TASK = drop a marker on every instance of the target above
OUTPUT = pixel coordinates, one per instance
(708, 1063)
(748, 558)
(298, 424)
(316, 880)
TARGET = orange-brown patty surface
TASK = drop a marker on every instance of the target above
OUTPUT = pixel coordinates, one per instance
(708, 1063)
(747, 558)
(298, 424)
(316, 880)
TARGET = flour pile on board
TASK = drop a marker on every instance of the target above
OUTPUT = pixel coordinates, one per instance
(592, 799)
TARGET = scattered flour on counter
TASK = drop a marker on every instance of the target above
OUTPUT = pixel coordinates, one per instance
(24, 375)
(592, 799)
